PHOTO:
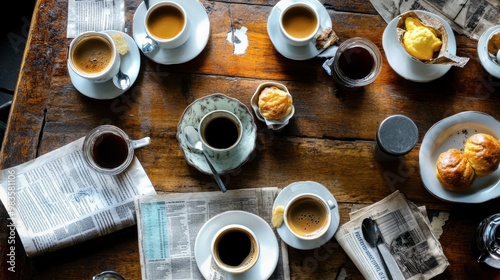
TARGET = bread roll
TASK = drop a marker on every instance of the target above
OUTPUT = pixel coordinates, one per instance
(274, 103)
(483, 152)
(454, 171)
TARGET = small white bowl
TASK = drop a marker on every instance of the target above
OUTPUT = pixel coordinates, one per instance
(271, 124)
(482, 51)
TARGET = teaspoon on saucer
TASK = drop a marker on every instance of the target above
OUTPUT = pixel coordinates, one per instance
(148, 45)
(195, 145)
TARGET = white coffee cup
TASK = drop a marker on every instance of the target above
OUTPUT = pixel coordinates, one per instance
(94, 56)
(168, 24)
(235, 248)
(308, 216)
(299, 23)
(220, 131)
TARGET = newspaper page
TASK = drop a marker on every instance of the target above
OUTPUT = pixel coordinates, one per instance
(470, 18)
(168, 253)
(57, 200)
(95, 15)
(407, 236)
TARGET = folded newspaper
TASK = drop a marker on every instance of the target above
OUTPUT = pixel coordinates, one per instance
(410, 249)
(57, 200)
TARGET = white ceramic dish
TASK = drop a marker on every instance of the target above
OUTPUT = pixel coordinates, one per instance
(452, 132)
(407, 67)
(198, 39)
(278, 39)
(482, 51)
(301, 187)
(268, 256)
(226, 162)
(130, 65)
(254, 101)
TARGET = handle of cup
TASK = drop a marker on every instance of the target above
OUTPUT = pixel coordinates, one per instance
(331, 204)
(140, 142)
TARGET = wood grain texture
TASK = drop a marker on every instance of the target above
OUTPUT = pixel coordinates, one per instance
(329, 140)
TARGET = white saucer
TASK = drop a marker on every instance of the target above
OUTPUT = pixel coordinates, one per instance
(277, 38)
(198, 39)
(482, 51)
(407, 67)
(268, 256)
(227, 162)
(300, 187)
(452, 132)
(130, 65)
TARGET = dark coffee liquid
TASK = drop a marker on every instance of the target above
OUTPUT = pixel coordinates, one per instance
(356, 63)
(221, 133)
(110, 150)
(234, 247)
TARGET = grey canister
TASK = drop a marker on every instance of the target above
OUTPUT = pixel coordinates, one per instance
(396, 136)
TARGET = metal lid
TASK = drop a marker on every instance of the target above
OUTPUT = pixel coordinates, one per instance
(397, 135)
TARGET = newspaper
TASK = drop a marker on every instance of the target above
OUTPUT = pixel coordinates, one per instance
(92, 15)
(180, 216)
(57, 200)
(470, 18)
(407, 236)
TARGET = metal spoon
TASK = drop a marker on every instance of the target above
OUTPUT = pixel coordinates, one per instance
(148, 45)
(372, 234)
(121, 80)
(194, 144)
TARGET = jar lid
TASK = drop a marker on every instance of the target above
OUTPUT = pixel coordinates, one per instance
(397, 135)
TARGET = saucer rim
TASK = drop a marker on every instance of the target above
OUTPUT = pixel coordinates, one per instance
(248, 140)
(200, 27)
(251, 221)
(482, 51)
(314, 187)
(391, 52)
(99, 90)
(284, 48)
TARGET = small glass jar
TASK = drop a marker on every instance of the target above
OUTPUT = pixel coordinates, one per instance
(357, 63)
(396, 136)
(488, 241)
(108, 275)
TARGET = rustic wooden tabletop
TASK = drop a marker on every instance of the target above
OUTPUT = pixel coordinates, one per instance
(329, 140)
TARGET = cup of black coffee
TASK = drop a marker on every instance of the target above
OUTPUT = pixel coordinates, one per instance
(235, 248)
(109, 150)
(220, 131)
(308, 216)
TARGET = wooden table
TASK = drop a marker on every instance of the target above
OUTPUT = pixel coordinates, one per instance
(329, 140)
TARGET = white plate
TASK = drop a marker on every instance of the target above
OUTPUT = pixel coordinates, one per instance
(452, 132)
(269, 249)
(301, 187)
(198, 39)
(407, 67)
(277, 38)
(226, 162)
(130, 65)
(482, 51)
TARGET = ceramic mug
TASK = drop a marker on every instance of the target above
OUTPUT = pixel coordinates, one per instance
(168, 24)
(235, 248)
(308, 216)
(109, 150)
(94, 56)
(299, 23)
(220, 131)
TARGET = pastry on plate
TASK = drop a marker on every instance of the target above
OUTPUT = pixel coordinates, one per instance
(483, 152)
(454, 171)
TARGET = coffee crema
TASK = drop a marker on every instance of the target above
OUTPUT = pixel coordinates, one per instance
(221, 133)
(299, 22)
(92, 55)
(166, 22)
(306, 216)
(110, 150)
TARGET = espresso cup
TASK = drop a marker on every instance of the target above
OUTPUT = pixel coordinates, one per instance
(357, 63)
(299, 23)
(235, 249)
(109, 150)
(94, 56)
(168, 24)
(220, 131)
(308, 216)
